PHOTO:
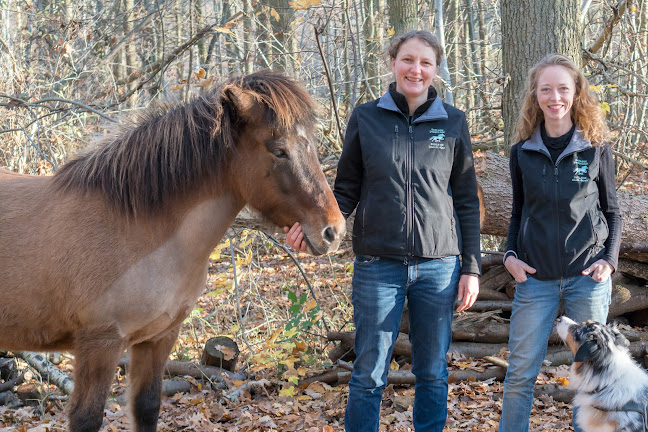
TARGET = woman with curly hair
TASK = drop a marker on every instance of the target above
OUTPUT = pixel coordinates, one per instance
(565, 229)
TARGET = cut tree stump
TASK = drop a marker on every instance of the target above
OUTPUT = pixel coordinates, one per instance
(220, 351)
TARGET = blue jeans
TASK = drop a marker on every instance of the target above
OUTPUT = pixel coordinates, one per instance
(535, 309)
(380, 287)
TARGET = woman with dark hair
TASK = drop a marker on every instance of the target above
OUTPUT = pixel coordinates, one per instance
(407, 170)
(565, 229)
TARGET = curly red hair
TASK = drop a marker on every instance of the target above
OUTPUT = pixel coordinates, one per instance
(586, 112)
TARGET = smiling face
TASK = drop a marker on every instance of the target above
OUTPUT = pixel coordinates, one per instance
(414, 67)
(555, 93)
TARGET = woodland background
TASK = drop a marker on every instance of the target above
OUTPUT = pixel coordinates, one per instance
(68, 68)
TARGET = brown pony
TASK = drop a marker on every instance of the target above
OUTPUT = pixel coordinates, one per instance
(112, 251)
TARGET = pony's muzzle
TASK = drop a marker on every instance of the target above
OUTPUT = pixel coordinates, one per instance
(329, 240)
(329, 235)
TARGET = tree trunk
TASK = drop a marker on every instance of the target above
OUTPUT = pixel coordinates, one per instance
(403, 15)
(283, 58)
(531, 30)
(373, 32)
(446, 91)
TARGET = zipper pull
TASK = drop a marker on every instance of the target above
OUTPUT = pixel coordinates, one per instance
(556, 173)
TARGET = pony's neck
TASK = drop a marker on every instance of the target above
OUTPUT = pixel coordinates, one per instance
(203, 225)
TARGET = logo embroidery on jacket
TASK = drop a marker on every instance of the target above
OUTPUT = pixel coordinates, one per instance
(580, 170)
(436, 141)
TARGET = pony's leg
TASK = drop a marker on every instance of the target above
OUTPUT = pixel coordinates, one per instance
(97, 352)
(147, 362)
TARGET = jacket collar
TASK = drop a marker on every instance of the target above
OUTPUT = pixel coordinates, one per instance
(436, 111)
(576, 144)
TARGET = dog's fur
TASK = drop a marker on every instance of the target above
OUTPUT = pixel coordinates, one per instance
(605, 378)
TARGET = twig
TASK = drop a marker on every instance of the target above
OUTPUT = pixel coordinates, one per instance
(497, 361)
(327, 72)
(629, 159)
(8, 385)
(127, 37)
(153, 70)
(301, 270)
(249, 386)
(238, 301)
(616, 16)
(22, 102)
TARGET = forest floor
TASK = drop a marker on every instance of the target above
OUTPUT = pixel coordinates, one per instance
(283, 322)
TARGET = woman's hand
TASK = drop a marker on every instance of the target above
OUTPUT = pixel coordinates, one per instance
(518, 268)
(295, 237)
(468, 291)
(599, 271)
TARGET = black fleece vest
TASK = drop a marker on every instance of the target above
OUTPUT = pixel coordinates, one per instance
(563, 229)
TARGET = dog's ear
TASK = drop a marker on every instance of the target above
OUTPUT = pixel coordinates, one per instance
(586, 350)
(619, 338)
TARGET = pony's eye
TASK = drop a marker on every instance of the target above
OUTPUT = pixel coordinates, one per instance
(280, 153)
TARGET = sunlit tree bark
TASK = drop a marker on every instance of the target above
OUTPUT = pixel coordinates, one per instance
(532, 29)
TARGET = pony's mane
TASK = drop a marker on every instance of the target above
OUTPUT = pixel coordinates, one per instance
(170, 149)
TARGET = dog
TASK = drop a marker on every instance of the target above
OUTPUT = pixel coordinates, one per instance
(611, 389)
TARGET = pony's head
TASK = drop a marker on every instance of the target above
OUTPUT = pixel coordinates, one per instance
(275, 167)
(252, 137)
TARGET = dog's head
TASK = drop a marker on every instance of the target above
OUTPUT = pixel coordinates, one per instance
(591, 342)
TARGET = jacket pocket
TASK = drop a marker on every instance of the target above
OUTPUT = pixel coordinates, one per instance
(600, 230)
(395, 153)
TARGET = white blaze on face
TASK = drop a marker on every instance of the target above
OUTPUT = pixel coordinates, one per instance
(301, 132)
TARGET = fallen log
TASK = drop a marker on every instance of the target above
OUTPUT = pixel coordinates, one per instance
(44, 367)
(178, 368)
(558, 392)
(494, 280)
(491, 259)
(633, 268)
(486, 294)
(501, 305)
(634, 251)
(627, 297)
(406, 377)
(498, 332)
(10, 384)
(556, 354)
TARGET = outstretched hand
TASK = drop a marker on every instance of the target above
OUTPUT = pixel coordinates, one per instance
(295, 237)
(518, 268)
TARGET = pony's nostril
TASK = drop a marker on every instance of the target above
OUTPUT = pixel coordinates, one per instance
(329, 234)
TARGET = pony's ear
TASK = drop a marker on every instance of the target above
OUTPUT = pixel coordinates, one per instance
(585, 351)
(242, 100)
